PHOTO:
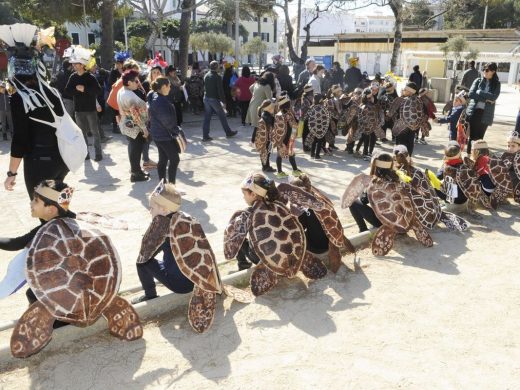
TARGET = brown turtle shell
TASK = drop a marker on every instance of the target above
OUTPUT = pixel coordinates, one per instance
(277, 237)
(391, 204)
(318, 120)
(193, 253)
(74, 270)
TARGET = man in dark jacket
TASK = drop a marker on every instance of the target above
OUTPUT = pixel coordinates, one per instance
(469, 75)
(213, 101)
(84, 87)
(416, 76)
(353, 75)
(338, 74)
(61, 82)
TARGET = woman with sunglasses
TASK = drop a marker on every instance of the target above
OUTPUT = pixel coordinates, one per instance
(481, 108)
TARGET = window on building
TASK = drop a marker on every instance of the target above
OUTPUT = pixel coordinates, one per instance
(503, 67)
(91, 39)
(75, 38)
(265, 20)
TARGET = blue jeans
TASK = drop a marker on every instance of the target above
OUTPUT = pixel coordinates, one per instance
(211, 106)
(167, 272)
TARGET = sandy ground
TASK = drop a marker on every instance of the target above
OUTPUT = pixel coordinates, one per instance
(443, 317)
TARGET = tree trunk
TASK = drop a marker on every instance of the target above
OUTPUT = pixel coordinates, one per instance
(397, 9)
(107, 33)
(184, 33)
(229, 28)
(289, 35)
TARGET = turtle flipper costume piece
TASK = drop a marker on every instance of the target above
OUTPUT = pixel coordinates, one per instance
(421, 234)
(196, 261)
(383, 241)
(300, 197)
(277, 237)
(355, 189)
(32, 332)
(312, 267)
(75, 273)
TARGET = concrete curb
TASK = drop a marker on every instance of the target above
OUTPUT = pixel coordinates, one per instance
(146, 311)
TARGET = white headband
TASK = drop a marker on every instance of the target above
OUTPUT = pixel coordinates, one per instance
(249, 184)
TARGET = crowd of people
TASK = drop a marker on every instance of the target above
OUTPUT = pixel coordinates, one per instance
(395, 197)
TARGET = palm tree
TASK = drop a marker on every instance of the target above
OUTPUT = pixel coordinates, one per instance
(225, 10)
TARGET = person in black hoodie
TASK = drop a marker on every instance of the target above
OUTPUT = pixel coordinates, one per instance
(84, 87)
(61, 82)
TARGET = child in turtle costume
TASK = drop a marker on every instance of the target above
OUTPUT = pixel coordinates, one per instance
(335, 107)
(73, 272)
(276, 236)
(505, 170)
(370, 121)
(302, 106)
(265, 126)
(283, 137)
(188, 261)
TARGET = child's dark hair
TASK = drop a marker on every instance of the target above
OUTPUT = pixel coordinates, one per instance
(159, 82)
(302, 181)
(451, 150)
(318, 98)
(128, 76)
(267, 184)
(264, 104)
(384, 173)
(56, 185)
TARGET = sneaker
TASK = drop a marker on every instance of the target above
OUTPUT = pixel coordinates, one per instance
(297, 173)
(281, 175)
(141, 176)
(317, 158)
(98, 157)
(333, 147)
(384, 140)
(232, 134)
(269, 169)
(423, 142)
(105, 139)
(142, 298)
(366, 158)
(207, 139)
(87, 157)
(150, 164)
(242, 265)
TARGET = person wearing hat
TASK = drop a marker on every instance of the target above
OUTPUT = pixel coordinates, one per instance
(165, 202)
(213, 101)
(84, 88)
(35, 143)
(513, 142)
(480, 155)
(353, 75)
(50, 200)
(6, 119)
(263, 130)
(459, 105)
(483, 95)
(284, 139)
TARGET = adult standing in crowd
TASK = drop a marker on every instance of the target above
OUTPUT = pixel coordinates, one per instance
(163, 127)
(101, 76)
(416, 76)
(176, 95)
(84, 88)
(115, 74)
(353, 74)
(316, 79)
(228, 82)
(286, 81)
(481, 108)
(195, 87)
(213, 101)
(303, 77)
(134, 115)
(263, 89)
(469, 75)
(244, 82)
(6, 119)
(337, 74)
(33, 142)
(60, 82)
